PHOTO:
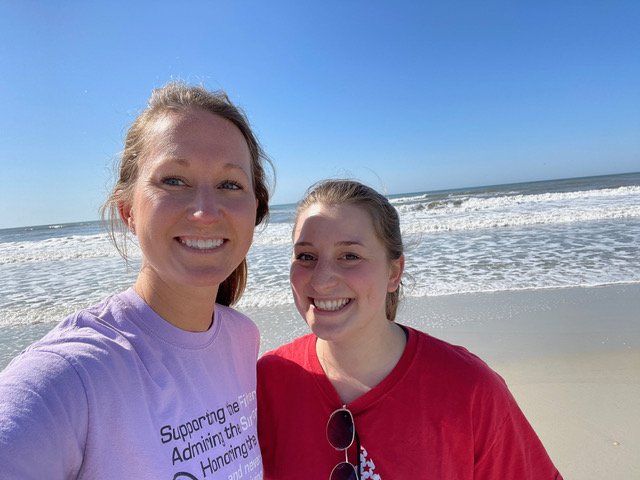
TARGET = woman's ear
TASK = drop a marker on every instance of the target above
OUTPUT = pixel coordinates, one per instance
(397, 267)
(126, 213)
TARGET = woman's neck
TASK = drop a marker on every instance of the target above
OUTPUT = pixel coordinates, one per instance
(354, 368)
(189, 309)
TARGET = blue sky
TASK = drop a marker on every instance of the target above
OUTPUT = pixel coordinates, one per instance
(412, 95)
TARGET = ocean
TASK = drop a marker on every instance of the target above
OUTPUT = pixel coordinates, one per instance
(579, 232)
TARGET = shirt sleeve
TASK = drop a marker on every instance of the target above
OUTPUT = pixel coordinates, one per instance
(43, 418)
(514, 450)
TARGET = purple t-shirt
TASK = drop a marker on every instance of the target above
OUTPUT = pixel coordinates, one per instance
(117, 392)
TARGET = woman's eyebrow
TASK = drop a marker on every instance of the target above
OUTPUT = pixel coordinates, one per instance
(343, 243)
(186, 163)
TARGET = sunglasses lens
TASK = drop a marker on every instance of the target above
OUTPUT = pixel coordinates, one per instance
(344, 471)
(340, 430)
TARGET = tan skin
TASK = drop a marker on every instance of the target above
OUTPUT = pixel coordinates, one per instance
(340, 276)
(193, 210)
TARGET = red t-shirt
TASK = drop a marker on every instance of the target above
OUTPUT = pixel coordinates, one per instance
(442, 413)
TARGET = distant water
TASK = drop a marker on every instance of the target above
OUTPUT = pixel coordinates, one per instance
(551, 234)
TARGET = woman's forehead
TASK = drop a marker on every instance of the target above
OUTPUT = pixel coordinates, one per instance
(333, 220)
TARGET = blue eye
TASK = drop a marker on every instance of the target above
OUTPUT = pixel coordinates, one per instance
(350, 256)
(305, 257)
(173, 181)
(230, 185)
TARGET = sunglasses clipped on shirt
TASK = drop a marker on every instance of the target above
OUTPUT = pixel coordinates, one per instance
(341, 432)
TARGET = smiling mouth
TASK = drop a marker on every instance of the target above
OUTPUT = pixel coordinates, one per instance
(201, 244)
(331, 305)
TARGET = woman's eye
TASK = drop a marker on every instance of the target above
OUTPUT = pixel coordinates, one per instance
(172, 181)
(304, 257)
(350, 256)
(230, 185)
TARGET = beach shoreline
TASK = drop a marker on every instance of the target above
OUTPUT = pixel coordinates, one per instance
(512, 325)
(502, 326)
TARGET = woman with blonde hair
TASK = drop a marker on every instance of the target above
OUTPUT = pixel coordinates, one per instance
(157, 381)
(364, 397)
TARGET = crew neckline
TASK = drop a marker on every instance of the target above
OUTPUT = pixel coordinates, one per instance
(158, 327)
(371, 397)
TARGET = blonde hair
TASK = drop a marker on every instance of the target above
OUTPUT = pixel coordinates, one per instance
(179, 96)
(386, 221)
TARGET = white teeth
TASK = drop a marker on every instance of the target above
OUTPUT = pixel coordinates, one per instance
(331, 305)
(201, 244)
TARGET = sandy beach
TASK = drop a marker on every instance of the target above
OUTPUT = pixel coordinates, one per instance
(571, 358)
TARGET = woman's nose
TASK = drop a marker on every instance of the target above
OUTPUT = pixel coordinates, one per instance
(206, 208)
(324, 276)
